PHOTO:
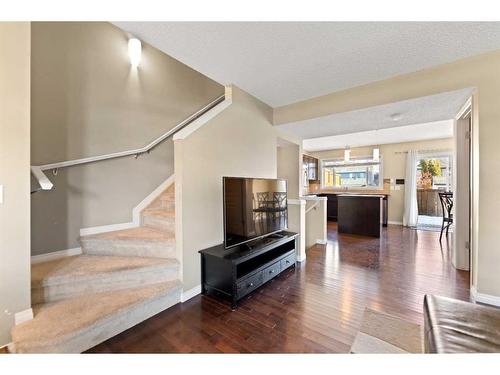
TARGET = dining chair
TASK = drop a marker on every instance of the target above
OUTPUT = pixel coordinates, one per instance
(446, 199)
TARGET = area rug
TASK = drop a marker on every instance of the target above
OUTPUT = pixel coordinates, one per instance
(382, 333)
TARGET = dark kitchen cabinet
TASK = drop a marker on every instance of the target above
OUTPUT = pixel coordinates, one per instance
(312, 166)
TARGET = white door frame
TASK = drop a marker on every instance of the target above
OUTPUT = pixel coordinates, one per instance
(462, 175)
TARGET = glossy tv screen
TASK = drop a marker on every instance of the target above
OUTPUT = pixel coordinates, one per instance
(253, 208)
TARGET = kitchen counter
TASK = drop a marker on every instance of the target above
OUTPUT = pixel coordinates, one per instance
(333, 196)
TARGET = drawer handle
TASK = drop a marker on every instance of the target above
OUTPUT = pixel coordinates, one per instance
(287, 262)
(272, 271)
(250, 285)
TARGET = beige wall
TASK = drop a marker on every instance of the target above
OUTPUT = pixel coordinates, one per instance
(15, 281)
(87, 101)
(394, 165)
(481, 72)
(289, 165)
(240, 141)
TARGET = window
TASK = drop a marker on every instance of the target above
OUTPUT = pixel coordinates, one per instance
(358, 173)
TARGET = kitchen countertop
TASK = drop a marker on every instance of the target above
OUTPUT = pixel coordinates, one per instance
(353, 195)
(363, 192)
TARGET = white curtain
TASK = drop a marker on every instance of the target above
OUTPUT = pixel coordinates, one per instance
(411, 209)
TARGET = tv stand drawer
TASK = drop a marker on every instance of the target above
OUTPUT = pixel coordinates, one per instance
(271, 271)
(287, 262)
(250, 284)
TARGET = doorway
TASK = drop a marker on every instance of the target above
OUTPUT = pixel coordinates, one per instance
(434, 175)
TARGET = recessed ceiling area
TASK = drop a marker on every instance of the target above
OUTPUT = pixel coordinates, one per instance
(408, 133)
(285, 62)
(421, 110)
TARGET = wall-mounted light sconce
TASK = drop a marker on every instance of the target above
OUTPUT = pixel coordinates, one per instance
(376, 154)
(134, 52)
(347, 154)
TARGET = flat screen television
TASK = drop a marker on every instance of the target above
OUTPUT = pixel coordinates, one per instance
(253, 208)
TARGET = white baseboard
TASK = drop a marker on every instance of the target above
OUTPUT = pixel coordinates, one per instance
(487, 299)
(23, 316)
(300, 260)
(55, 255)
(395, 222)
(321, 242)
(187, 295)
(106, 228)
(136, 212)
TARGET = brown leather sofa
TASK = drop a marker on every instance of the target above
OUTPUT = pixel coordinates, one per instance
(453, 326)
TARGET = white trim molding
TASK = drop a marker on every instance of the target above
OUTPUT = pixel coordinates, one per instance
(395, 222)
(136, 212)
(23, 316)
(107, 228)
(188, 294)
(487, 299)
(207, 116)
(301, 202)
(321, 242)
(55, 255)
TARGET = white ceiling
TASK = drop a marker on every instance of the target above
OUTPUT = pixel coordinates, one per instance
(285, 62)
(422, 110)
(408, 133)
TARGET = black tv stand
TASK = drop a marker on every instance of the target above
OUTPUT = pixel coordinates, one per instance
(233, 273)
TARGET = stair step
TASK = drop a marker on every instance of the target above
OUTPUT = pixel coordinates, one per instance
(85, 274)
(77, 324)
(139, 242)
(159, 219)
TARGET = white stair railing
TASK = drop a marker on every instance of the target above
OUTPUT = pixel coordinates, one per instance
(46, 184)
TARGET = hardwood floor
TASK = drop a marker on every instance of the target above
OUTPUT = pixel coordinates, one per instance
(317, 307)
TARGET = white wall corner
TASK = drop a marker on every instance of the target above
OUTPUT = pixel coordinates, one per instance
(487, 299)
(206, 117)
(55, 255)
(188, 294)
(23, 316)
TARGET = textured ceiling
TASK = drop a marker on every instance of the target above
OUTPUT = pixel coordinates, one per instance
(408, 133)
(284, 62)
(426, 109)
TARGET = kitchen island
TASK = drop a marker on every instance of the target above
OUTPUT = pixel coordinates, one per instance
(332, 205)
(360, 214)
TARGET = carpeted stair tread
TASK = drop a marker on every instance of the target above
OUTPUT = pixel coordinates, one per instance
(58, 322)
(84, 267)
(159, 213)
(135, 234)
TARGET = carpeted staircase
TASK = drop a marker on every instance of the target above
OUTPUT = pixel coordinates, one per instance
(121, 279)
